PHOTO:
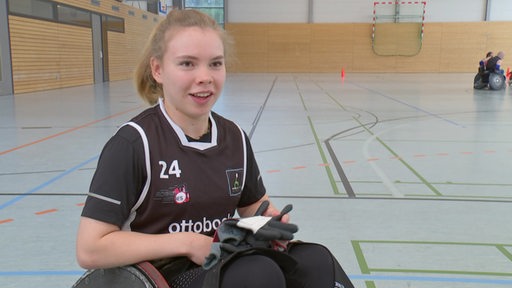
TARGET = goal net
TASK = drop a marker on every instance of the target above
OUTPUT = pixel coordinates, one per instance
(398, 27)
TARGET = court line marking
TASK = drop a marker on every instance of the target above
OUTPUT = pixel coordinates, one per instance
(66, 131)
(47, 183)
(48, 211)
(438, 116)
(37, 273)
(365, 268)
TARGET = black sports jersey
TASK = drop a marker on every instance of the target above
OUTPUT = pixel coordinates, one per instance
(151, 178)
(491, 63)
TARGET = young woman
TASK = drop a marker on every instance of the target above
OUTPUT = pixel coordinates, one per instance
(168, 178)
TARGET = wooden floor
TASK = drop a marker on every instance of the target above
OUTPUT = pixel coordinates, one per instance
(406, 177)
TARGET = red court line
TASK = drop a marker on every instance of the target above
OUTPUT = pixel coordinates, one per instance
(6, 220)
(298, 167)
(46, 211)
(66, 131)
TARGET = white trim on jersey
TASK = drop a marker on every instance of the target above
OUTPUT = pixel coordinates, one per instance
(242, 134)
(133, 211)
(183, 138)
(104, 198)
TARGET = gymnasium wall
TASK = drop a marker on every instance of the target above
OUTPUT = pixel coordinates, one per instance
(330, 47)
(270, 36)
(360, 11)
(330, 35)
(47, 55)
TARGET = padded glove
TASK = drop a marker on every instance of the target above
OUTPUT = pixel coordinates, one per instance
(238, 235)
(266, 227)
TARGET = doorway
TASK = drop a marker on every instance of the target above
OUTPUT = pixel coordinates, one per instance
(100, 49)
(6, 87)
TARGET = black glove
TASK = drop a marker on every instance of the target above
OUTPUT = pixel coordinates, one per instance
(265, 231)
(267, 228)
(236, 235)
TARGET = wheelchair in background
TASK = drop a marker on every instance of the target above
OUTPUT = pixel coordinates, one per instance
(489, 79)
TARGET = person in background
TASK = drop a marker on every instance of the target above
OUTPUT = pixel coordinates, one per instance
(483, 62)
(495, 62)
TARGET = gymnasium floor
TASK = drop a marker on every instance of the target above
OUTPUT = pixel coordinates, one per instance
(404, 176)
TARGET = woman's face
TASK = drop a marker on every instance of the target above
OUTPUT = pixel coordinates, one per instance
(192, 73)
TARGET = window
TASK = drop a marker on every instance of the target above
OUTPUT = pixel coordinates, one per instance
(61, 13)
(214, 8)
(32, 8)
(115, 24)
(74, 16)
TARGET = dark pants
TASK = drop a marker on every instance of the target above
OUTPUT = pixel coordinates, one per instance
(315, 269)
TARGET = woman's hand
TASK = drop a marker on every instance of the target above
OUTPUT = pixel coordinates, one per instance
(198, 248)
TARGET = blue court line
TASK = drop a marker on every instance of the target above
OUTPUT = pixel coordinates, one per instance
(431, 279)
(352, 277)
(35, 189)
(42, 273)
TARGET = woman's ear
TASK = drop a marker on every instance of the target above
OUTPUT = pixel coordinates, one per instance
(156, 69)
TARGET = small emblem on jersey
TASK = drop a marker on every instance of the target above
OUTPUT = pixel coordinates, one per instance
(235, 178)
(177, 195)
(181, 195)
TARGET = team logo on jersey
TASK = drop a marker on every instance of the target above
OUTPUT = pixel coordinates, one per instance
(181, 195)
(177, 195)
(235, 178)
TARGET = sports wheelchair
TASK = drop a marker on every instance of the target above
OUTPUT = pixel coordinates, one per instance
(488, 79)
(141, 275)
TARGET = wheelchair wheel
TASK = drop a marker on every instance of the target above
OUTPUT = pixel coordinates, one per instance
(142, 275)
(478, 82)
(496, 81)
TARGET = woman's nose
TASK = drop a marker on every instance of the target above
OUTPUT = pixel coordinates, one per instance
(204, 76)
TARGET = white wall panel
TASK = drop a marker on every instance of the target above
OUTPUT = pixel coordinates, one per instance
(500, 10)
(359, 11)
(342, 11)
(455, 10)
(267, 11)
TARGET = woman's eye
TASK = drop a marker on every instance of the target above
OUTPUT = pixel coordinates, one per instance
(217, 64)
(186, 64)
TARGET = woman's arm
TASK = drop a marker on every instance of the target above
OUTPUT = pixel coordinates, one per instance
(103, 245)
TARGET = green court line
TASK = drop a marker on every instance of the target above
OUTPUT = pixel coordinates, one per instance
(458, 183)
(451, 272)
(434, 197)
(334, 186)
(422, 179)
(434, 242)
(363, 265)
(505, 252)
(450, 183)
(365, 268)
(443, 196)
(322, 154)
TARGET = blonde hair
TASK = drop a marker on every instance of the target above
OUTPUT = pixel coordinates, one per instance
(146, 85)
